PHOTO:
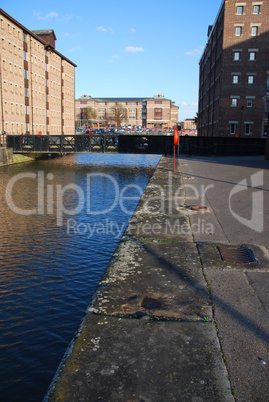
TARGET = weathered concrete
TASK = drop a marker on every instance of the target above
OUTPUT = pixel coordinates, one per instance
(149, 335)
(116, 359)
(8, 158)
(155, 280)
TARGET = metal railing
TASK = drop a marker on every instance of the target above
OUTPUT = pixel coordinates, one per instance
(148, 144)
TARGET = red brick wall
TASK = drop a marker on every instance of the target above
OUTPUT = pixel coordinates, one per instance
(218, 67)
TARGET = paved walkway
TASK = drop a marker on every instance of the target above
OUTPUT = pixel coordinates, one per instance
(171, 321)
(238, 202)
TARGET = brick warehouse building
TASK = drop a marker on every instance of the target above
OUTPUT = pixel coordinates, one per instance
(155, 112)
(37, 83)
(234, 76)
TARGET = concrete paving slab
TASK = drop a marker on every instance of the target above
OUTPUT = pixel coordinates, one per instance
(259, 282)
(161, 280)
(243, 329)
(161, 212)
(160, 227)
(211, 258)
(237, 192)
(143, 361)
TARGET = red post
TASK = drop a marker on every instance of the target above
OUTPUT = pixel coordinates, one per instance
(175, 143)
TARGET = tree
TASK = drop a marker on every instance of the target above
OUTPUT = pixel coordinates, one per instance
(118, 114)
(90, 114)
(196, 118)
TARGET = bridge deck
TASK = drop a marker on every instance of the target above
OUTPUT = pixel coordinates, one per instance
(100, 143)
(134, 143)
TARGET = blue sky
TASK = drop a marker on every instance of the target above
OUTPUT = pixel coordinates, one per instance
(127, 48)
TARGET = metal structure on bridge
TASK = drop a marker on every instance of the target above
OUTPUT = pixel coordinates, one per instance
(100, 143)
(39, 145)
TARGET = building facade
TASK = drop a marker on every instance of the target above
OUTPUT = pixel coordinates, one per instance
(155, 112)
(189, 127)
(37, 83)
(234, 76)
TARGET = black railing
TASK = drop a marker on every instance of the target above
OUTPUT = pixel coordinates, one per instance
(102, 143)
(148, 144)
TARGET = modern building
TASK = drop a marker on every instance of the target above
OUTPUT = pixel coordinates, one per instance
(37, 83)
(155, 112)
(234, 72)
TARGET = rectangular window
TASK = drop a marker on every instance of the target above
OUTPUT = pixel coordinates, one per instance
(240, 10)
(235, 79)
(24, 55)
(233, 128)
(248, 129)
(252, 56)
(26, 92)
(236, 56)
(25, 74)
(254, 31)
(250, 79)
(234, 102)
(238, 31)
(256, 10)
(249, 102)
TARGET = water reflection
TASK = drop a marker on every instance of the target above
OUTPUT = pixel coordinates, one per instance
(48, 273)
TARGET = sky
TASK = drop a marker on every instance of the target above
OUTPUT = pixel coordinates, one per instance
(127, 48)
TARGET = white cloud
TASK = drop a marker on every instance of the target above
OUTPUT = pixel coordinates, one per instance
(68, 35)
(49, 16)
(195, 52)
(134, 49)
(192, 104)
(114, 58)
(187, 110)
(74, 49)
(132, 30)
(101, 28)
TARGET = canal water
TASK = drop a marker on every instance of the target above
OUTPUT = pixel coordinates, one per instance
(60, 222)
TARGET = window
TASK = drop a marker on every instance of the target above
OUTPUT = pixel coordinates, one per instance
(250, 79)
(24, 55)
(234, 102)
(236, 56)
(25, 74)
(238, 31)
(248, 127)
(252, 56)
(233, 128)
(26, 92)
(240, 10)
(235, 79)
(254, 31)
(256, 10)
(249, 102)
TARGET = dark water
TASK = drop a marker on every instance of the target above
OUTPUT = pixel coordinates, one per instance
(50, 261)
